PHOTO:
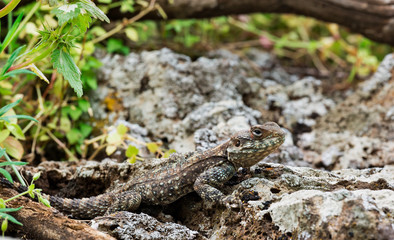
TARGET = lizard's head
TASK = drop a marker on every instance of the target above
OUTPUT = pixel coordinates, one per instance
(246, 148)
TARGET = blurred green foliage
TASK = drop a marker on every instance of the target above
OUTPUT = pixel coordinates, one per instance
(66, 119)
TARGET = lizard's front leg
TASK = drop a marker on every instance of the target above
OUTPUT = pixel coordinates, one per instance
(205, 184)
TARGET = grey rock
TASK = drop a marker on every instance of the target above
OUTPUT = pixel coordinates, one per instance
(127, 225)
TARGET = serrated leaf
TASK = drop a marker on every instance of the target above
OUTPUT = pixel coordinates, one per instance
(13, 147)
(65, 65)
(152, 147)
(91, 8)
(82, 22)
(131, 151)
(121, 129)
(66, 12)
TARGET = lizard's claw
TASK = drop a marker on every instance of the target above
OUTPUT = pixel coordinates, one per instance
(231, 202)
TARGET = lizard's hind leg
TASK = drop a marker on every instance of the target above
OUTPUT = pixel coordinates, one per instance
(125, 201)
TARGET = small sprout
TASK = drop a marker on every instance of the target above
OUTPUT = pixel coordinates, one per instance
(122, 129)
(168, 153)
(44, 200)
(152, 147)
(132, 159)
(36, 176)
(2, 203)
(4, 225)
(132, 153)
(31, 190)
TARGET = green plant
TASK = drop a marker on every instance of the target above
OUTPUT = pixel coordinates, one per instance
(32, 191)
(74, 19)
(8, 126)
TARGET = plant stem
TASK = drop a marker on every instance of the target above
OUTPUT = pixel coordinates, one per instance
(15, 170)
(118, 28)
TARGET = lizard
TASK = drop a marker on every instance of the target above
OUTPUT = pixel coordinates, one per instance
(202, 172)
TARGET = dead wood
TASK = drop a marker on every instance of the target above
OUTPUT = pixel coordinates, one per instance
(40, 222)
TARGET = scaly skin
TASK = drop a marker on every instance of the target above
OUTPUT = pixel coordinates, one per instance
(200, 172)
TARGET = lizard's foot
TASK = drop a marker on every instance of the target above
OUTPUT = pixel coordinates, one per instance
(230, 202)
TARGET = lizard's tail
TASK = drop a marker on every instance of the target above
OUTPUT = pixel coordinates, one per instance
(87, 208)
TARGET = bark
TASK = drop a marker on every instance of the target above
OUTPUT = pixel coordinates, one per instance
(40, 222)
(372, 18)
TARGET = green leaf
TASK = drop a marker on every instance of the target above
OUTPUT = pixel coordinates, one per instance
(6, 108)
(65, 65)
(6, 118)
(11, 218)
(74, 113)
(16, 131)
(4, 225)
(73, 136)
(2, 204)
(36, 176)
(66, 12)
(10, 209)
(6, 174)
(116, 45)
(85, 129)
(11, 34)
(132, 159)
(91, 8)
(13, 163)
(122, 129)
(4, 134)
(84, 105)
(13, 147)
(44, 201)
(131, 151)
(82, 22)
(168, 153)
(10, 61)
(18, 71)
(30, 190)
(152, 147)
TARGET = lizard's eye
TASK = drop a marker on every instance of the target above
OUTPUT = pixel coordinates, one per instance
(257, 132)
(237, 143)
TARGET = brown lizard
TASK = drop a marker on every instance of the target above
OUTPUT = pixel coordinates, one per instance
(182, 174)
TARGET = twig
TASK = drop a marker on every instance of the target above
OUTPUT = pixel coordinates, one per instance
(118, 28)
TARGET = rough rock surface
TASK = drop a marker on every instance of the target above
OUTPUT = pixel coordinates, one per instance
(161, 95)
(127, 225)
(306, 203)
